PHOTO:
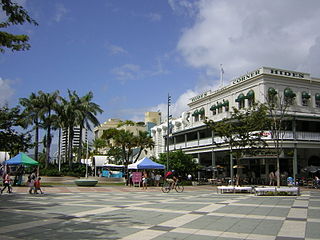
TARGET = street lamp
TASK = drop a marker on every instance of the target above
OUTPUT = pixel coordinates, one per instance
(168, 130)
(87, 156)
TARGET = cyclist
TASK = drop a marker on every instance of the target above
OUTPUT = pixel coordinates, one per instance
(171, 178)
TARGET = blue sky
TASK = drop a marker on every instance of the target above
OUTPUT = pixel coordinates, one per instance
(132, 53)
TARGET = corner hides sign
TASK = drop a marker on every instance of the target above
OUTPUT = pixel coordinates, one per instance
(272, 71)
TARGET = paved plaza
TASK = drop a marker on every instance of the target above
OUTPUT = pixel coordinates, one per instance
(130, 213)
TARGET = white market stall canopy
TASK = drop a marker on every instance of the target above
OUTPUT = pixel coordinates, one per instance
(146, 163)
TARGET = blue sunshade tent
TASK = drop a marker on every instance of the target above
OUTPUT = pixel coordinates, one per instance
(146, 163)
(21, 159)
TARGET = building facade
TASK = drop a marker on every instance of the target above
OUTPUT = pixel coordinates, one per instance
(301, 142)
(76, 139)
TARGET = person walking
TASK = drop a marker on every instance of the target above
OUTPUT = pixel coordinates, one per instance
(157, 179)
(6, 183)
(30, 183)
(271, 178)
(37, 186)
(145, 180)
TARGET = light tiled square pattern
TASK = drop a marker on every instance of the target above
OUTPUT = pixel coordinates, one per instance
(197, 214)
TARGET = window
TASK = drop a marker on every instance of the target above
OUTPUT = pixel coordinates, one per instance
(202, 113)
(250, 97)
(305, 98)
(220, 105)
(226, 105)
(317, 98)
(272, 96)
(213, 109)
(196, 115)
(240, 100)
(289, 96)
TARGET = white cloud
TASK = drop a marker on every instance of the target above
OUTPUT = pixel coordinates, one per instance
(115, 50)
(6, 91)
(154, 17)
(184, 7)
(132, 72)
(61, 11)
(127, 72)
(244, 35)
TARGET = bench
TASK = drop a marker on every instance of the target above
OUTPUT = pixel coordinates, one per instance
(291, 190)
(233, 189)
(264, 190)
(223, 189)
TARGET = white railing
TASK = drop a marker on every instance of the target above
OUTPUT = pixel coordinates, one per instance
(192, 143)
(205, 141)
(305, 136)
(309, 136)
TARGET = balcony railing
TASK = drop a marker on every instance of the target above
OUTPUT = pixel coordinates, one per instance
(300, 136)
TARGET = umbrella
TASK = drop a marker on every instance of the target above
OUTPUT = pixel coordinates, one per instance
(238, 166)
(21, 159)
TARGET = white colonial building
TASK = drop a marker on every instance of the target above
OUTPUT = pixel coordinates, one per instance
(301, 141)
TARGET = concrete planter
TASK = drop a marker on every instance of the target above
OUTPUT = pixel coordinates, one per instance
(86, 182)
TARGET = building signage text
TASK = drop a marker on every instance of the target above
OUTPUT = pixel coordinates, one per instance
(246, 77)
(202, 95)
(286, 73)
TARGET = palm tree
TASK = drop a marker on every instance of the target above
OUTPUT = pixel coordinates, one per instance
(32, 108)
(89, 111)
(71, 118)
(143, 142)
(49, 104)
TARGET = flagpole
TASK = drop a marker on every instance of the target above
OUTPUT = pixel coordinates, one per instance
(221, 76)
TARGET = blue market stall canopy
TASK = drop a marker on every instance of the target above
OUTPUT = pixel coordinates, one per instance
(21, 159)
(146, 163)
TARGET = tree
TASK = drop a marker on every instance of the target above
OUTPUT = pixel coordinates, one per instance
(277, 109)
(15, 15)
(99, 143)
(49, 103)
(182, 163)
(89, 111)
(143, 142)
(31, 116)
(10, 140)
(242, 132)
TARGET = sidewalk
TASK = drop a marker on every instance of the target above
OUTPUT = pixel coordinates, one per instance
(132, 213)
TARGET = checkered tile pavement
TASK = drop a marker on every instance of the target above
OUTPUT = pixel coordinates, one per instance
(130, 213)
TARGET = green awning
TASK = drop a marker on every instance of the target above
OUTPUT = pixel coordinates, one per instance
(201, 111)
(240, 97)
(305, 95)
(213, 107)
(250, 94)
(272, 91)
(317, 96)
(195, 113)
(226, 103)
(289, 93)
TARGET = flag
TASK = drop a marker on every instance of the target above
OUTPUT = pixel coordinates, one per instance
(222, 71)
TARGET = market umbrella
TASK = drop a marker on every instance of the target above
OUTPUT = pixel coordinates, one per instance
(21, 159)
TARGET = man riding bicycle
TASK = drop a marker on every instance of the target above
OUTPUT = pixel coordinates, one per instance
(171, 178)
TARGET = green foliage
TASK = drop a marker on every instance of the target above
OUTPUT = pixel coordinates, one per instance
(243, 131)
(182, 163)
(15, 15)
(10, 139)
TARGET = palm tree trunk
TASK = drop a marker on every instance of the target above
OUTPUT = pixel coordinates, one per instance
(36, 141)
(49, 139)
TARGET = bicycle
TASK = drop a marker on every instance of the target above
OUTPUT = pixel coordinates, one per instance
(166, 187)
